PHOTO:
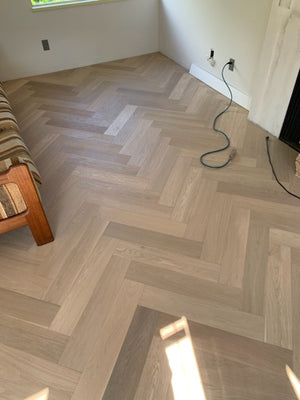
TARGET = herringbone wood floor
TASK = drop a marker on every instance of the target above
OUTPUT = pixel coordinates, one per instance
(144, 235)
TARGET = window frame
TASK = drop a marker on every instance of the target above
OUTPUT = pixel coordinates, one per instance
(67, 3)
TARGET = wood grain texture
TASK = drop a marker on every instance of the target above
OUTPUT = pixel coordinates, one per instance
(129, 366)
(230, 320)
(170, 261)
(278, 297)
(214, 244)
(156, 366)
(213, 293)
(83, 288)
(85, 334)
(99, 366)
(153, 239)
(296, 300)
(199, 215)
(141, 225)
(32, 374)
(255, 267)
(27, 308)
(232, 271)
(32, 339)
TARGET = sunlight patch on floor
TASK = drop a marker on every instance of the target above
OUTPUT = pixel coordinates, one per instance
(294, 381)
(43, 395)
(186, 379)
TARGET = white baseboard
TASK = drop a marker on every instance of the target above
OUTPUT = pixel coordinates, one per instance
(238, 97)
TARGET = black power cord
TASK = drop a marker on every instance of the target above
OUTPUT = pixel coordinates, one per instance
(273, 170)
(233, 152)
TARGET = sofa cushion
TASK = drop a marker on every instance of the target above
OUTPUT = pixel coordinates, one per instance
(13, 151)
(7, 119)
(11, 201)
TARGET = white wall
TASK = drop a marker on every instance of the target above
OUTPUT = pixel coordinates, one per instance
(78, 36)
(233, 28)
(278, 69)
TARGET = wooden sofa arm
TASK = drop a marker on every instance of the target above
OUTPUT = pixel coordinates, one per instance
(34, 216)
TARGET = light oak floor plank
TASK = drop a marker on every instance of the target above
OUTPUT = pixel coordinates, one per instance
(32, 339)
(27, 308)
(214, 293)
(255, 267)
(296, 302)
(86, 332)
(132, 357)
(32, 374)
(230, 320)
(278, 300)
(156, 240)
(99, 367)
(83, 288)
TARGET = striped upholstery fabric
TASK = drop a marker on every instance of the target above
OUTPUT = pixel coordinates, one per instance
(11, 201)
(13, 151)
(7, 119)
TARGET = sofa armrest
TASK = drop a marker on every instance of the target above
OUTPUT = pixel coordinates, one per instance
(34, 216)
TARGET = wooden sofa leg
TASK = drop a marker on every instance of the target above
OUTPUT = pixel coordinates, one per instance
(35, 216)
(39, 226)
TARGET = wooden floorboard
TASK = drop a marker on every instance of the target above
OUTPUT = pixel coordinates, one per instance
(145, 235)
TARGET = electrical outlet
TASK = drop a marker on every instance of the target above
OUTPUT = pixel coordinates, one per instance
(45, 45)
(232, 65)
(211, 59)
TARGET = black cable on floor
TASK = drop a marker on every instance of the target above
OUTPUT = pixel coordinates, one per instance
(233, 152)
(273, 170)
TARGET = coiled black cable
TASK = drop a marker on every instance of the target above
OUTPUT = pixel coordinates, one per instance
(233, 153)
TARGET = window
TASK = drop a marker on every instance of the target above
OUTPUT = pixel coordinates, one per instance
(46, 4)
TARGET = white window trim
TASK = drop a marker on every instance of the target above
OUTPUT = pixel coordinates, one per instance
(68, 3)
